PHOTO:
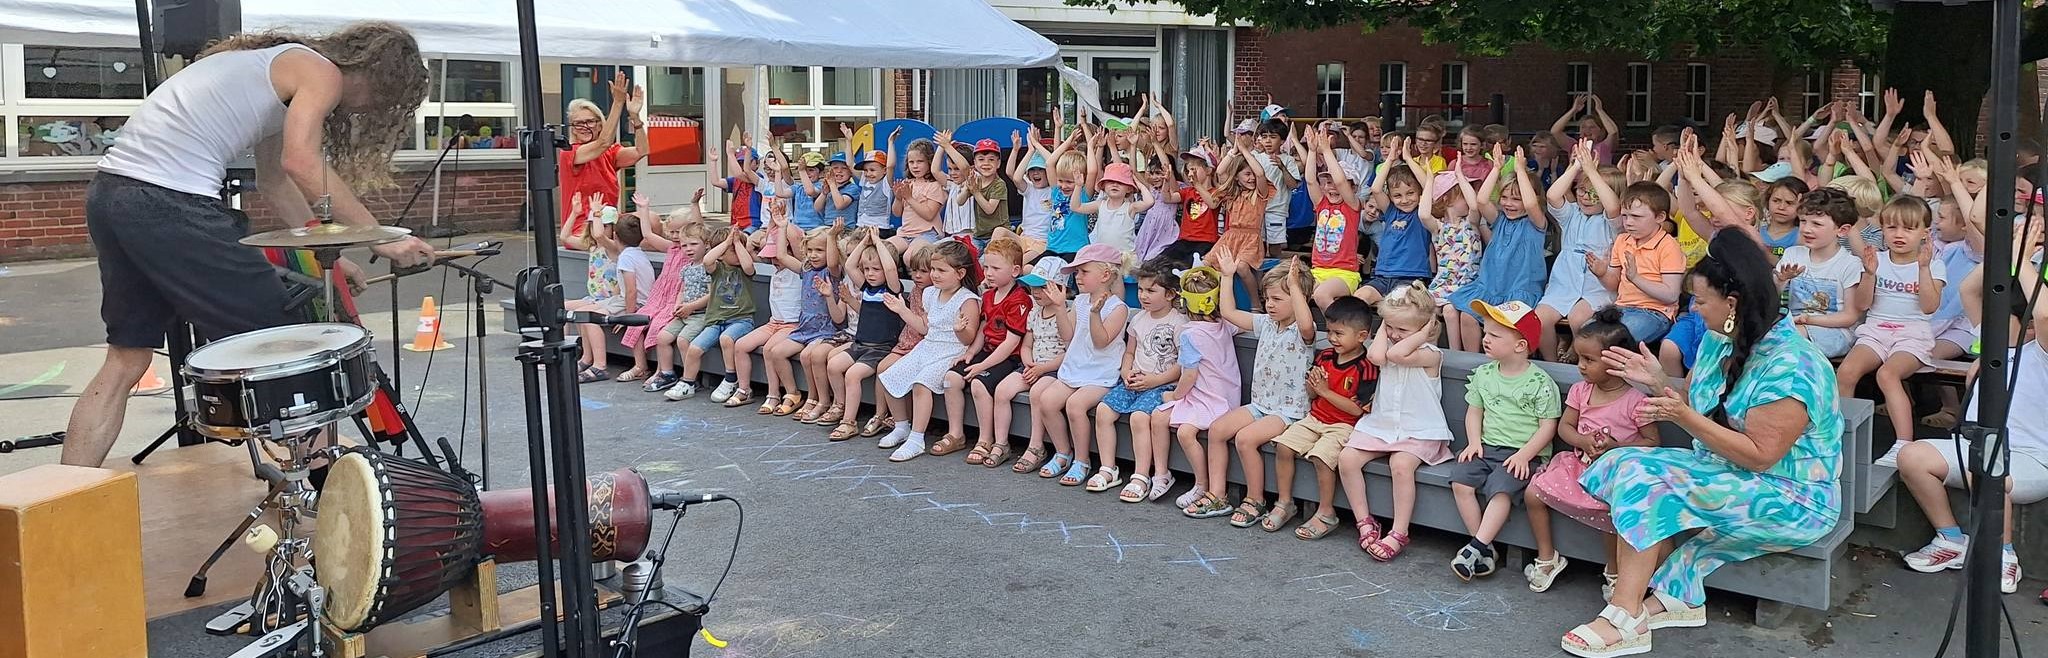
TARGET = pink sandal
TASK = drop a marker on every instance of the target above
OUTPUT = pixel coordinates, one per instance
(1379, 550)
(1368, 532)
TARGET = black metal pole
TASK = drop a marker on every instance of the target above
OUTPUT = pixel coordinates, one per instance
(537, 476)
(1987, 435)
(539, 294)
(150, 75)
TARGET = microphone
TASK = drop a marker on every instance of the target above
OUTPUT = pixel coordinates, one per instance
(673, 500)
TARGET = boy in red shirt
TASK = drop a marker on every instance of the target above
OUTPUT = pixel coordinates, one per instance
(1340, 387)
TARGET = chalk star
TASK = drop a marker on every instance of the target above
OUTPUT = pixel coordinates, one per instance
(990, 518)
(841, 465)
(1347, 581)
(944, 507)
(895, 493)
(1207, 563)
(1066, 531)
(1119, 546)
(1446, 611)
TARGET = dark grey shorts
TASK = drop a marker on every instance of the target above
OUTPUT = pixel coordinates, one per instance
(1489, 474)
(166, 255)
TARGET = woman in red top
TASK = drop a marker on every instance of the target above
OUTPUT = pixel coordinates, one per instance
(595, 157)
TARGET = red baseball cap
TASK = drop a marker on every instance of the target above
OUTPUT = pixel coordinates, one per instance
(986, 145)
(1513, 314)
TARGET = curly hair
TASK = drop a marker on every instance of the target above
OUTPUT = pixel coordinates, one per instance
(359, 142)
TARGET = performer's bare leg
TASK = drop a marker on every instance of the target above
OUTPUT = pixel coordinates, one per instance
(96, 419)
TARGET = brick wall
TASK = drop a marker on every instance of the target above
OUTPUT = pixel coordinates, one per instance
(47, 219)
(900, 90)
(1249, 85)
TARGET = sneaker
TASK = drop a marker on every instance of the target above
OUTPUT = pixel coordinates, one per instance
(724, 391)
(661, 381)
(683, 391)
(1938, 555)
(1891, 457)
(2009, 576)
(895, 437)
(908, 450)
(1472, 562)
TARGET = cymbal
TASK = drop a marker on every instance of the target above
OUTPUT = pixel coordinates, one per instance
(326, 235)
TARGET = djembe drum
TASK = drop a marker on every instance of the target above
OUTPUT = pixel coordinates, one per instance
(621, 518)
(394, 533)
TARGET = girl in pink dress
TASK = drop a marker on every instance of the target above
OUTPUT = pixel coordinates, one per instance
(1599, 415)
(1209, 383)
(667, 285)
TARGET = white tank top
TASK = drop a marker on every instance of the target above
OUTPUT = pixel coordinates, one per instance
(191, 127)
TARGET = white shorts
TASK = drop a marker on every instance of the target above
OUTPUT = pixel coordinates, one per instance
(1887, 338)
(1957, 331)
(2029, 476)
(1276, 228)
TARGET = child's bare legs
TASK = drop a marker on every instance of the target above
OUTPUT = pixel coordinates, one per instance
(1469, 331)
(854, 374)
(1284, 461)
(777, 353)
(1248, 274)
(1326, 488)
(1191, 445)
(639, 358)
(956, 405)
(1142, 450)
(1162, 437)
(815, 358)
(593, 344)
(1453, 329)
(1250, 436)
(1539, 524)
(742, 366)
(1547, 317)
(1084, 400)
(1328, 291)
(1351, 472)
(1891, 379)
(1371, 296)
(995, 407)
(920, 408)
(1403, 466)
(665, 352)
(1048, 409)
(1484, 524)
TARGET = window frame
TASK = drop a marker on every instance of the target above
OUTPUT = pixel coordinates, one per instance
(1458, 96)
(1645, 95)
(1324, 92)
(1813, 92)
(1401, 116)
(1868, 99)
(816, 113)
(1569, 68)
(1701, 98)
(423, 147)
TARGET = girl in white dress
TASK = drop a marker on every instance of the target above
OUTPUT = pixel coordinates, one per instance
(1406, 424)
(949, 323)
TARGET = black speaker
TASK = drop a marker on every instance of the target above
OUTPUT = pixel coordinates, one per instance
(186, 27)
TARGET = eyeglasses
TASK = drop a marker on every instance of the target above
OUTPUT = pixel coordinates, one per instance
(585, 123)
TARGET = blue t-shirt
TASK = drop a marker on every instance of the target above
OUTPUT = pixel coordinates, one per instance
(847, 215)
(1301, 211)
(1960, 262)
(802, 211)
(1404, 246)
(1069, 229)
(1778, 245)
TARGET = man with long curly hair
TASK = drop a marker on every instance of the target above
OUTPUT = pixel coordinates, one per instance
(322, 114)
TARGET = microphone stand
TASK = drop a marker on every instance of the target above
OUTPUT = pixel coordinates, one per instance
(481, 284)
(397, 374)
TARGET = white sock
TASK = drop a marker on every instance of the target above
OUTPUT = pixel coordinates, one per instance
(903, 425)
(917, 436)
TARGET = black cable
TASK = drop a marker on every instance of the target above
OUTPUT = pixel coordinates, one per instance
(426, 373)
(626, 643)
(738, 529)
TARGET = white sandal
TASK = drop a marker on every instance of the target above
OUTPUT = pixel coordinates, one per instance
(1542, 573)
(1677, 614)
(1160, 486)
(1104, 480)
(1136, 490)
(1583, 641)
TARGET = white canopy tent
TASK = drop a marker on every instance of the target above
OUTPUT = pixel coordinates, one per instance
(871, 34)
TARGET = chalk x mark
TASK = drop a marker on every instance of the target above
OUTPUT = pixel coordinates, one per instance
(1206, 562)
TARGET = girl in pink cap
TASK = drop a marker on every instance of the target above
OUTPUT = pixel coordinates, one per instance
(1115, 211)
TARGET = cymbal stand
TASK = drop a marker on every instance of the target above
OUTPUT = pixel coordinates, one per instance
(481, 285)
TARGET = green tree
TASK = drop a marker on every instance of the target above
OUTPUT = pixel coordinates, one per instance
(1919, 46)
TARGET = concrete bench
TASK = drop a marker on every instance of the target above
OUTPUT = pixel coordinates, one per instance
(1803, 577)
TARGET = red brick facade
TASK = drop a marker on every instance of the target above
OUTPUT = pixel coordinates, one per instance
(1531, 78)
(47, 219)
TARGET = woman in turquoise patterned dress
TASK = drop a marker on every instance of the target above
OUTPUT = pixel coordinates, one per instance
(1760, 477)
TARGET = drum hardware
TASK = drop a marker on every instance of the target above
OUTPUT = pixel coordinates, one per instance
(276, 601)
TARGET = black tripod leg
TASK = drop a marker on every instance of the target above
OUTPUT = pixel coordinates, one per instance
(197, 586)
(160, 439)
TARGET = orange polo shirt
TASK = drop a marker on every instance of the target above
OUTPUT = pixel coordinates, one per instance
(1656, 259)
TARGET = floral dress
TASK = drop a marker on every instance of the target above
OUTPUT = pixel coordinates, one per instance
(1658, 493)
(1457, 259)
(661, 303)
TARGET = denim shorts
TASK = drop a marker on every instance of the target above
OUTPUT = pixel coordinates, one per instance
(1646, 325)
(734, 329)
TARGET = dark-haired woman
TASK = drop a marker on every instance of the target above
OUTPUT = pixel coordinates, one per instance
(1760, 477)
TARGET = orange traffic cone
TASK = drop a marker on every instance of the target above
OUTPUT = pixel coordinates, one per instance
(150, 384)
(427, 337)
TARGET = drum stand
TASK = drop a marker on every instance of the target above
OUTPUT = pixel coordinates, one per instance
(286, 601)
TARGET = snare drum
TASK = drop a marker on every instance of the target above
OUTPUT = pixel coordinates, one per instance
(302, 375)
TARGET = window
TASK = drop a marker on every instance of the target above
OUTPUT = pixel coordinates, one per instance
(1699, 80)
(1638, 94)
(1454, 92)
(1330, 89)
(42, 136)
(1578, 79)
(789, 85)
(81, 73)
(1814, 93)
(676, 91)
(844, 86)
(469, 81)
(1394, 89)
(477, 132)
(1867, 95)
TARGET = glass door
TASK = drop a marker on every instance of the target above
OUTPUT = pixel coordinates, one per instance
(1124, 81)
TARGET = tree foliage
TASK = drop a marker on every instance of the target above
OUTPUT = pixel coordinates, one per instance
(1793, 32)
